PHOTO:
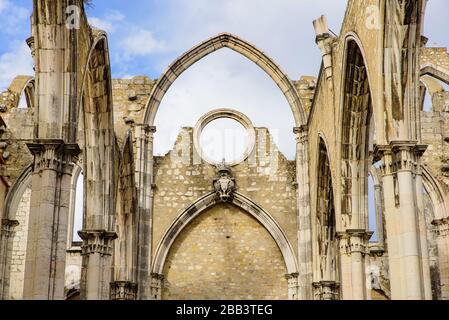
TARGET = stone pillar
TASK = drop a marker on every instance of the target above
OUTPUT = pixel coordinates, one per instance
(123, 290)
(353, 248)
(425, 260)
(304, 217)
(293, 286)
(144, 181)
(97, 264)
(442, 230)
(378, 198)
(326, 290)
(409, 277)
(6, 234)
(49, 210)
(157, 285)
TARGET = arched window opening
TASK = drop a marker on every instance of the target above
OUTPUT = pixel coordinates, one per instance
(78, 211)
(372, 211)
(224, 79)
(427, 103)
(23, 102)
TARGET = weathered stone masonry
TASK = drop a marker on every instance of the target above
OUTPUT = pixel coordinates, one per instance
(181, 227)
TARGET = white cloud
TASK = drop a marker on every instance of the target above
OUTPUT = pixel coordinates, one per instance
(224, 80)
(282, 29)
(11, 21)
(141, 42)
(101, 24)
(114, 15)
(3, 4)
(18, 61)
(109, 23)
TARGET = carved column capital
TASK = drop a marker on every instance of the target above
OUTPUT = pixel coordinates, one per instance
(293, 285)
(302, 134)
(7, 227)
(327, 290)
(354, 241)
(400, 156)
(442, 227)
(157, 284)
(123, 290)
(97, 241)
(53, 154)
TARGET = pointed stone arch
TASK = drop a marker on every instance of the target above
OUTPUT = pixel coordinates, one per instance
(97, 130)
(326, 286)
(224, 40)
(208, 201)
(356, 115)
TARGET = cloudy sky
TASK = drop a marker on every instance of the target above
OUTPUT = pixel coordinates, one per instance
(145, 36)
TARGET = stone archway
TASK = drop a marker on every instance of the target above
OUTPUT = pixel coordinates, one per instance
(224, 253)
(225, 40)
(256, 215)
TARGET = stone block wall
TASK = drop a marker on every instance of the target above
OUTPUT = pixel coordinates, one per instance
(267, 178)
(19, 247)
(225, 254)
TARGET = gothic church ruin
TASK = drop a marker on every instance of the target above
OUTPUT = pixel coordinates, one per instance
(183, 226)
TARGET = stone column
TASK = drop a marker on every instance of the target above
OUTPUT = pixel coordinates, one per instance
(123, 290)
(326, 290)
(96, 268)
(144, 181)
(157, 285)
(425, 261)
(409, 274)
(304, 217)
(379, 216)
(293, 286)
(442, 230)
(6, 234)
(49, 210)
(353, 247)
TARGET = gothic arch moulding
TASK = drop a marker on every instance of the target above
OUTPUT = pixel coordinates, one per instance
(97, 130)
(355, 113)
(208, 201)
(224, 40)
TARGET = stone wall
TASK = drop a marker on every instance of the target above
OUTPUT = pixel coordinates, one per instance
(435, 133)
(19, 247)
(130, 97)
(225, 254)
(266, 178)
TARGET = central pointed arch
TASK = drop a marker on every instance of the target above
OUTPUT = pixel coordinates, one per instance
(209, 200)
(224, 40)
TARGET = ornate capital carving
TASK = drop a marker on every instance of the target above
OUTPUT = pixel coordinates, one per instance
(157, 283)
(54, 154)
(302, 134)
(293, 285)
(326, 290)
(123, 290)
(97, 241)
(354, 241)
(7, 227)
(224, 183)
(400, 156)
(442, 227)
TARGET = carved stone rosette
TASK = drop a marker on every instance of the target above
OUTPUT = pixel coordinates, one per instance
(123, 290)
(224, 183)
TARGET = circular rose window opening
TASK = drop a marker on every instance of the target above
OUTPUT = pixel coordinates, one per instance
(224, 138)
